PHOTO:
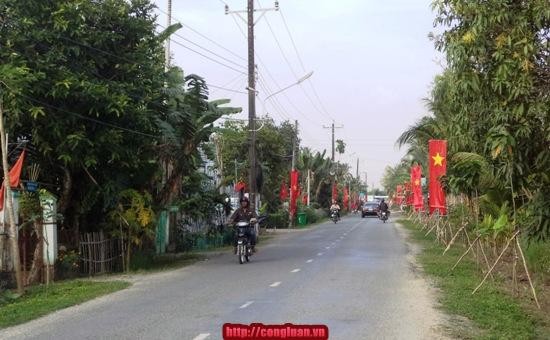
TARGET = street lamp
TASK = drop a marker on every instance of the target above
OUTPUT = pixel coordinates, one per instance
(298, 82)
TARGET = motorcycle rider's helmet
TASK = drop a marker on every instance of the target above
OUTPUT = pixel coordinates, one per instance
(245, 199)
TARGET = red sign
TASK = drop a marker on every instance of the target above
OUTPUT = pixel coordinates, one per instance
(437, 159)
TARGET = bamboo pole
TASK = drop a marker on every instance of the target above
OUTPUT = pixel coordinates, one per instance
(496, 262)
(527, 271)
(453, 239)
(466, 252)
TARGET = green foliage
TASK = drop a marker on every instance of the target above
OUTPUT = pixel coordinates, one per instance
(278, 220)
(495, 314)
(491, 104)
(133, 215)
(41, 300)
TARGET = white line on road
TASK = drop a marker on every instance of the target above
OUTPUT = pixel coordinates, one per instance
(327, 247)
(319, 254)
(295, 270)
(309, 261)
(202, 336)
(275, 284)
(248, 303)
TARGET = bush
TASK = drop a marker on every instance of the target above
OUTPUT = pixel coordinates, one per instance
(67, 265)
(277, 220)
(312, 215)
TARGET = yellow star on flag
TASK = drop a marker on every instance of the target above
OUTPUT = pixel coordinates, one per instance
(417, 182)
(438, 160)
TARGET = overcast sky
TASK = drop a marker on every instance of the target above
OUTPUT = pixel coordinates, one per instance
(372, 62)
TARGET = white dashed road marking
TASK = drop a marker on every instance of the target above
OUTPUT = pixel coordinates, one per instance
(319, 254)
(202, 336)
(246, 304)
(275, 284)
(295, 270)
(309, 261)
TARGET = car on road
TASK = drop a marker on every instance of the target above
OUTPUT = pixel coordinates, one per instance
(370, 209)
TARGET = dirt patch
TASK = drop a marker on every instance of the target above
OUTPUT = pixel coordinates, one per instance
(444, 326)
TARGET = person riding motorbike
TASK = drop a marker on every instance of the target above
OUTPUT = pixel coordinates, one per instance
(244, 214)
(335, 207)
(384, 208)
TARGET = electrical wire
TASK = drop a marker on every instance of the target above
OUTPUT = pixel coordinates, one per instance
(204, 48)
(97, 121)
(204, 36)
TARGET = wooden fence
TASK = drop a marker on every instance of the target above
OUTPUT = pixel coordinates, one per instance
(100, 255)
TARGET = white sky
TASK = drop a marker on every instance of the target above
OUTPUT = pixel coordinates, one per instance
(372, 64)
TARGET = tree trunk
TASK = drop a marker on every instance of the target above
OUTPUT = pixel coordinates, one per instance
(171, 189)
(38, 257)
(66, 192)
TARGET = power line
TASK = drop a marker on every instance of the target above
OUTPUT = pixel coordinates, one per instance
(77, 114)
(225, 88)
(293, 71)
(273, 78)
(204, 36)
(302, 63)
(207, 57)
(205, 49)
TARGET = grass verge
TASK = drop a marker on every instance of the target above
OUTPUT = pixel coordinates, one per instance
(496, 314)
(41, 300)
(148, 262)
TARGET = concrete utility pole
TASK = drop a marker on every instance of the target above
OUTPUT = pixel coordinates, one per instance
(294, 144)
(251, 93)
(332, 127)
(357, 171)
(167, 48)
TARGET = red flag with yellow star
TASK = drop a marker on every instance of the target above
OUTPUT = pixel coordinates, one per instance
(437, 158)
(416, 182)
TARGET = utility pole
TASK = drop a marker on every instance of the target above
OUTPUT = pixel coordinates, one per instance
(294, 144)
(251, 94)
(357, 171)
(332, 127)
(167, 48)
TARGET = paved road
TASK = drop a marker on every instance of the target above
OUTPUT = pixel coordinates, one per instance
(355, 276)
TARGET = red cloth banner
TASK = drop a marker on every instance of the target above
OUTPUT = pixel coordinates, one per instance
(399, 195)
(14, 176)
(346, 198)
(437, 158)
(240, 186)
(416, 182)
(294, 191)
(335, 191)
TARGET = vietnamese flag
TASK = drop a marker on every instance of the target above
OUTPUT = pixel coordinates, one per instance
(14, 177)
(335, 191)
(399, 196)
(293, 191)
(346, 198)
(416, 176)
(283, 194)
(409, 195)
(437, 158)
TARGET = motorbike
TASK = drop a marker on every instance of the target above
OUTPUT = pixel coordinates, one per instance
(384, 216)
(244, 247)
(334, 216)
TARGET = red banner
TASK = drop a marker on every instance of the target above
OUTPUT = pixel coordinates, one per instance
(240, 186)
(437, 158)
(14, 176)
(346, 198)
(399, 195)
(294, 191)
(416, 182)
(335, 191)
(283, 194)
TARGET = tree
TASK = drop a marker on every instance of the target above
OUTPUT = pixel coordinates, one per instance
(186, 128)
(89, 97)
(340, 146)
